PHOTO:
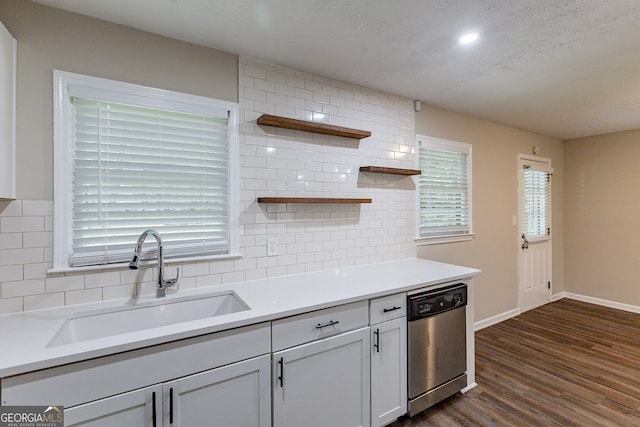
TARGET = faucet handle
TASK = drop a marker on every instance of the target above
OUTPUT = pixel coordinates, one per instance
(172, 282)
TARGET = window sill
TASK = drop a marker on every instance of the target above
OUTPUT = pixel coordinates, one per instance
(437, 240)
(149, 263)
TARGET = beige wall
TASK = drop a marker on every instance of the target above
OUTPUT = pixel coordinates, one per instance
(50, 39)
(602, 206)
(495, 200)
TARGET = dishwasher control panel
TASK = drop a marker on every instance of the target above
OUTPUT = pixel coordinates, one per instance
(437, 301)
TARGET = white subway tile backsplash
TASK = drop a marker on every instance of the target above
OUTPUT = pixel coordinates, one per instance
(21, 224)
(39, 239)
(10, 241)
(64, 283)
(37, 302)
(120, 291)
(83, 296)
(21, 256)
(35, 271)
(11, 305)
(265, 85)
(102, 280)
(208, 280)
(22, 288)
(10, 273)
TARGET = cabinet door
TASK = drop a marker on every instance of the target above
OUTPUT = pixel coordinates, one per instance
(133, 409)
(323, 383)
(236, 395)
(388, 371)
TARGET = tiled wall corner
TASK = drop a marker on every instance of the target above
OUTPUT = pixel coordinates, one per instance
(273, 162)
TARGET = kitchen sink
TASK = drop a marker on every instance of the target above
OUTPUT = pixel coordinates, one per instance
(86, 326)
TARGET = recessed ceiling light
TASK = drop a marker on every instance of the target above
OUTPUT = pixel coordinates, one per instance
(468, 38)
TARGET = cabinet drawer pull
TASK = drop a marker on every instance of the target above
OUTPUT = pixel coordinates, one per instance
(153, 408)
(394, 308)
(326, 325)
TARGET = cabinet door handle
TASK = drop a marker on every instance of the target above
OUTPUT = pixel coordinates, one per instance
(153, 408)
(171, 405)
(394, 308)
(281, 377)
(326, 325)
(377, 344)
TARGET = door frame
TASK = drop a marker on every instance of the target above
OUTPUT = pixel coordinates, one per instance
(519, 160)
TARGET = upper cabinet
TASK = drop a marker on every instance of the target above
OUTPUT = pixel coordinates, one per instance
(8, 56)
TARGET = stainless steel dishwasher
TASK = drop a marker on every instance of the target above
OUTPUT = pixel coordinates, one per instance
(437, 345)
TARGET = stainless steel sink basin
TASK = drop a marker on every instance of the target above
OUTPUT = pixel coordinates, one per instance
(121, 320)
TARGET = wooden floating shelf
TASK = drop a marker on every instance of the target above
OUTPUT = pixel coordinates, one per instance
(309, 200)
(393, 171)
(315, 127)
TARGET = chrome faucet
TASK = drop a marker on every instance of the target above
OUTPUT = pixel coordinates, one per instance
(135, 262)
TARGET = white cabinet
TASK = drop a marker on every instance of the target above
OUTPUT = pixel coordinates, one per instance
(388, 359)
(7, 113)
(388, 371)
(235, 395)
(222, 377)
(136, 408)
(323, 383)
(321, 364)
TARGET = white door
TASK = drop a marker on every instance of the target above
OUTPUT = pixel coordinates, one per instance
(388, 371)
(133, 409)
(324, 383)
(535, 231)
(237, 395)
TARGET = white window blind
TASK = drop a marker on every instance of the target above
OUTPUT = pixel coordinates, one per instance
(536, 203)
(134, 166)
(444, 189)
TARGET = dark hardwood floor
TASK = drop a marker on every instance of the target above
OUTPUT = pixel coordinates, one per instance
(567, 363)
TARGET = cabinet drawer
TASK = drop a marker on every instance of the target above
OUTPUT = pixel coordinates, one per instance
(319, 324)
(388, 308)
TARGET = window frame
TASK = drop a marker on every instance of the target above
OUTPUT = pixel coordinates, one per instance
(136, 95)
(446, 145)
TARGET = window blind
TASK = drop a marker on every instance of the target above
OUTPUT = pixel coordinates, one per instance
(444, 192)
(536, 203)
(137, 167)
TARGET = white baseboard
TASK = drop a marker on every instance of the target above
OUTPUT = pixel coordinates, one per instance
(469, 387)
(485, 323)
(602, 302)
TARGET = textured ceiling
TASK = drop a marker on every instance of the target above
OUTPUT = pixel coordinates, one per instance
(563, 68)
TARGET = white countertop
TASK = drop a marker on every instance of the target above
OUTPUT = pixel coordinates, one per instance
(24, 336)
